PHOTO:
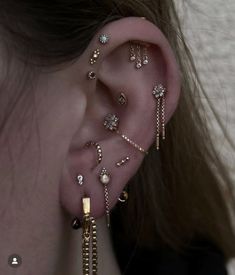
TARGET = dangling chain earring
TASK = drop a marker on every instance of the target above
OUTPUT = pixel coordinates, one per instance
(159, 93)
(89, 235)
(140, 58)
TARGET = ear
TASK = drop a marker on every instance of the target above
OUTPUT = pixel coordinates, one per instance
(114, 74)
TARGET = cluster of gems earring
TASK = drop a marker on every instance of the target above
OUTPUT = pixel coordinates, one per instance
(105, 178)
(139, 55)
(159, 92)
(111, 122)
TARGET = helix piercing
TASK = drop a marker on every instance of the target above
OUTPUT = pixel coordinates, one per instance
(111, 123)
(95, 56)
(91, 75)
(98, 150)
(104, 38)
(159, 93)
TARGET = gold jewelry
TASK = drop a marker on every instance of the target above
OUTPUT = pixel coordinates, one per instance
(111, 123)
(89, 235)
(123, 197)
(105, 178)
(122, 99)
(98, 150)
(123, 161)
(91, 75)
(79, 179)
(95, 56)
(159, 93)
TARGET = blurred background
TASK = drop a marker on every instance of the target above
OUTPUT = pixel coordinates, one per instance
(209, 28)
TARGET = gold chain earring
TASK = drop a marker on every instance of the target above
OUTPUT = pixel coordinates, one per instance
(89, 236)
(159, 93)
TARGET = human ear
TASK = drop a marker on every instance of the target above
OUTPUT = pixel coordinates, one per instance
(110, 74)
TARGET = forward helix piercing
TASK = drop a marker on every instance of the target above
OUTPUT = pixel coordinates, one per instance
(111, 123)
(98, 150)
(159, 93)
(105, 178)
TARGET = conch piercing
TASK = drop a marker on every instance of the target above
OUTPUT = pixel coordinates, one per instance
(159, 93)
(123, 161)
(111, 123)
(105, 178)
(89, 238)
(98, 150)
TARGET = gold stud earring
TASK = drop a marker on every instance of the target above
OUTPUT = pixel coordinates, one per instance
(122, 99)
(159, 93)
(111, 122)
(89, 238)
(124, 196)
(95, 56)
(105, 178)
(91, 75)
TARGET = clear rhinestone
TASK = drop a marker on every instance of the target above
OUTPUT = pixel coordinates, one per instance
(104, 39)
(111, 122)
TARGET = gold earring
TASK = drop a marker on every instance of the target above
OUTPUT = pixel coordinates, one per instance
(105, 178)
(111, 123)
(159, 93)
(98, 150)
(89, 235)
(124, 196)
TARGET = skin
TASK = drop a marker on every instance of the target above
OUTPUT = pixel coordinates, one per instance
(38, 194)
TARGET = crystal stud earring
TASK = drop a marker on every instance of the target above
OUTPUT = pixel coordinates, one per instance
(104, 38)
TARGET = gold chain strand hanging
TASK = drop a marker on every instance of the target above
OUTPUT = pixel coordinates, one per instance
(89, 235)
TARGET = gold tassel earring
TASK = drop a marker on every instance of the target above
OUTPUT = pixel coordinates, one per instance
(89, 236)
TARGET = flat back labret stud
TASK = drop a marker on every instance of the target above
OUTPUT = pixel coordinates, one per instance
(91, 75)
(80, 179)
(95, 56)
(122, 99)
(104, 38)
(111, 122)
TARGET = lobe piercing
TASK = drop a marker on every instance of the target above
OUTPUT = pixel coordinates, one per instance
(105, 178)
(111, 123)
(76, 224)
(95, 56)
(104, 38)
(79, 179)
(159, 93)
(122, 99)
(98, 150)
(123, 161)
(91, 75)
